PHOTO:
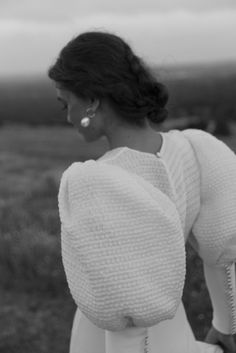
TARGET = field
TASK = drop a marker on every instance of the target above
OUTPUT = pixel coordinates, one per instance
(36, 308)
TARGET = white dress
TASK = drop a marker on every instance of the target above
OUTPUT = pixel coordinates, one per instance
(171, 336)
(217, 248)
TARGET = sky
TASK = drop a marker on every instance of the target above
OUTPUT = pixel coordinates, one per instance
(162, 32)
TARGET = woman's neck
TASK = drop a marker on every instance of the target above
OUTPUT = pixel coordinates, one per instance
(142, 139)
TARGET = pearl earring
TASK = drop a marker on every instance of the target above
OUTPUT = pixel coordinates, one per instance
(85, 122)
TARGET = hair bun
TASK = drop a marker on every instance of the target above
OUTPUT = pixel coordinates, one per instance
(157, 115)
(159, 97)
(161, 94)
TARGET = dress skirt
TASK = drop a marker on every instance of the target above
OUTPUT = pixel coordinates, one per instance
(170, 336)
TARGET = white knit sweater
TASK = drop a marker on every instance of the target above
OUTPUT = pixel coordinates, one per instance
(125, 218)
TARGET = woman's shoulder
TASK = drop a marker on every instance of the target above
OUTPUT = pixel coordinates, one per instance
(201, 137)
(206, 147)
(93, 174)
(209, 148)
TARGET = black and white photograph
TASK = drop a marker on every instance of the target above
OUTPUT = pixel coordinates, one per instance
(117, 176)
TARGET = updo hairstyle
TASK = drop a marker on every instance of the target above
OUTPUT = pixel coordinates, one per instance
(102, 65)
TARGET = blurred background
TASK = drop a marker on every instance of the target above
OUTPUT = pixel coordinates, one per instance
(190, 46)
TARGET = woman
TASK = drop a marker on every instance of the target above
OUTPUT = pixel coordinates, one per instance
(126, 216)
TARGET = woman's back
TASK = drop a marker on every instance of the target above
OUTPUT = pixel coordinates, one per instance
(181, 168)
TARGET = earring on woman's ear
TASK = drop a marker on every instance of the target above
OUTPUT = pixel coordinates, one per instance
(85, 122)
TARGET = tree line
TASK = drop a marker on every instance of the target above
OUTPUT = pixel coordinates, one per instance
(198, 101)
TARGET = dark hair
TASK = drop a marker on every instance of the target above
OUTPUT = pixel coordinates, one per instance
(102, 65)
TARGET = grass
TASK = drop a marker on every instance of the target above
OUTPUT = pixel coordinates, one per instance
(36, 308)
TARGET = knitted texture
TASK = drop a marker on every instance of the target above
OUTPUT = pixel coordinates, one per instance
(118, 232)
(215, 226)
(124, 221)
(210, 181)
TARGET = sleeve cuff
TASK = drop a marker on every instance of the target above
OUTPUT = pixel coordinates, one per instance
(221, 286)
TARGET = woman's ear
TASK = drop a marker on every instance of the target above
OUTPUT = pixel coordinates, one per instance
(95, 103)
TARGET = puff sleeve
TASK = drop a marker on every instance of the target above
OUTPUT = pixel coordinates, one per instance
(122, 246)
(215, 227)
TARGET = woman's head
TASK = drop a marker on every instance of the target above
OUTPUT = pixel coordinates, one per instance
(99, 65)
